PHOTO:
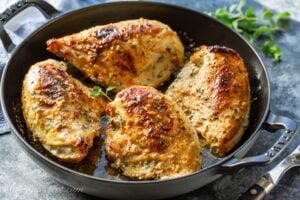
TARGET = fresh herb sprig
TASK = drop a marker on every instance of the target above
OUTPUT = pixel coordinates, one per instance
(262, 29)
(98, 91)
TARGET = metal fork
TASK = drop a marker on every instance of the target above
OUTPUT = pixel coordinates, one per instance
(270, 179)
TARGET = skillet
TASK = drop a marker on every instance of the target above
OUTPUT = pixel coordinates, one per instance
(189, 24)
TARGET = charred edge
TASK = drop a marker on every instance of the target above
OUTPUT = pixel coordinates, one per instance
(134, 99)
(108, 35)
(222, 49)
(103, 33)
(53, 84)
(52, 45)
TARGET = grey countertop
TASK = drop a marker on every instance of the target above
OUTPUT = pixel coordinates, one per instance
(21, 178)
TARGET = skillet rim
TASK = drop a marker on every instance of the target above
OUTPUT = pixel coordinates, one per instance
(72, 172)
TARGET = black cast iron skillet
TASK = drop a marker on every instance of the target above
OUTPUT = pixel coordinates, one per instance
(202, 29)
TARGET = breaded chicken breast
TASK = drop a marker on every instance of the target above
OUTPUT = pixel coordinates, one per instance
(131, 52)
(149, 136)
(59, 111)
(213, 90)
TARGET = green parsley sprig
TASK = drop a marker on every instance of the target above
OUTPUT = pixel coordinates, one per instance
(262, 28)
(98, 91)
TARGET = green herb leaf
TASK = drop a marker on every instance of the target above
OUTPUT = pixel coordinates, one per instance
(241, 5)
(267, 14)
(235, 25)
(283, 15)
(110, 88)
(97, 91)
(250, 12)
(282, 18)
(271, 48)
(260, 29)
(232, 7)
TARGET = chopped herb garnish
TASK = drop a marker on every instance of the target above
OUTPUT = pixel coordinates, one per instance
(98, 91)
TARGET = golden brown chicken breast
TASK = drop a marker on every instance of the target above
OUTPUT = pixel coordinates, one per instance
(132, 52)
(149, 136)
(213, 90)
(59, 111)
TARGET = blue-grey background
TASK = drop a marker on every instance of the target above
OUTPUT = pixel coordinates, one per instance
(21, 178)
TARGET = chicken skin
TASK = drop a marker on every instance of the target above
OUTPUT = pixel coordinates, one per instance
(132, 52)
(213, 90)
(149, 136)
(59, 111)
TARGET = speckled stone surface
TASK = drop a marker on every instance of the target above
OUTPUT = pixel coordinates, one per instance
(21, 178)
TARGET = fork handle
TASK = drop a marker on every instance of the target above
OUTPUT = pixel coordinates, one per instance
(259, 190)
(256, 192)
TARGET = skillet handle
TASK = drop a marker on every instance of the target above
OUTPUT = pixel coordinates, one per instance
(46, 9)
(273, 123)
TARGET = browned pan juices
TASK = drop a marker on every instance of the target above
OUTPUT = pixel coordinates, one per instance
(95, 163)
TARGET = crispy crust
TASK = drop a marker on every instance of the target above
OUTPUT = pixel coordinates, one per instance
(59, 111)
(213, 90)
(149, 137)
(142, 52)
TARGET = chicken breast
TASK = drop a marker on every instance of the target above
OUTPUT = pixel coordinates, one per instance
(149, 136)
(59, 111)
(132, 52)
(213, 90)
